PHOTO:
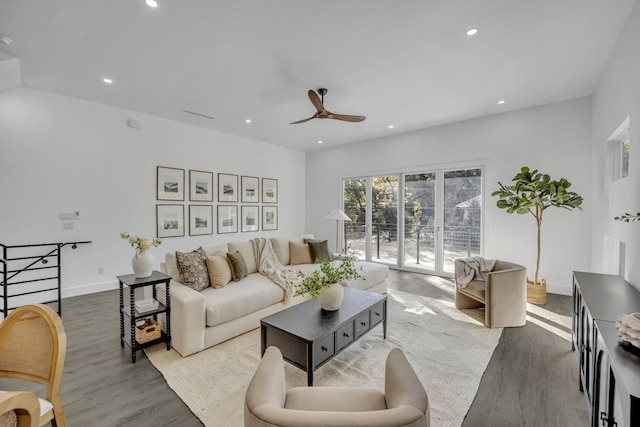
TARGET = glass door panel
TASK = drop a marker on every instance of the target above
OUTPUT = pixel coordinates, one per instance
(462, 215)
(384, 219)
(420, 221)
(355, 206)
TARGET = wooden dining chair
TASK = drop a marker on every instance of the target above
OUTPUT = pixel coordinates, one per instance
(19, 409)
(33, 346)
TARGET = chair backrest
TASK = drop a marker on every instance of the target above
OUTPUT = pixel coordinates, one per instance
(20, 409)
(33, 347)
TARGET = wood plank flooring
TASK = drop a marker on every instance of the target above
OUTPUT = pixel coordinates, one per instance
(532, 379)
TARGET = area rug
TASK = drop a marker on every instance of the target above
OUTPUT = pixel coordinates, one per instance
(448, 349)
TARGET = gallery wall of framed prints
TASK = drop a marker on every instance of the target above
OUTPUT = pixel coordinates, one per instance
(257, 197)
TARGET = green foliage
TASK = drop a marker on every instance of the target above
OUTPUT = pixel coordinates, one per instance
(627, 217)
(335, 270)
(534, 192)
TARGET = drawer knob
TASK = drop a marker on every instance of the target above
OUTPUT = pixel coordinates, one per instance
(344, 334)
(324, 348)
(377, 314)
(363, 323)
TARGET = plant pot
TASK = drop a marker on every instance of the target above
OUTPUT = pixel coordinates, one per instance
(142, 263)
(537, 292)
(331, 296)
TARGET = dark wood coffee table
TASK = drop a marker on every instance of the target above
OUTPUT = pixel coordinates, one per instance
(309, 337)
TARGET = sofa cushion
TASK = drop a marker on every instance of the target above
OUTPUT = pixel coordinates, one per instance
(476, 288)
(171, 264)
(246, 249)
(372, 272)
(238, 266)
(300, 254)
(319, 250)
(219, 270)
(280, 246)
(249, 295)
(193, 269)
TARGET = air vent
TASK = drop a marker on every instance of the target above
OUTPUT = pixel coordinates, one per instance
(198, 114)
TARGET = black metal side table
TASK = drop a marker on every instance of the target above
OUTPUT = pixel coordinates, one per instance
(133, 283)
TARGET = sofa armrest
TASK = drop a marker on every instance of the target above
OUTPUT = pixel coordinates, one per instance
(188, 318)
(402, 386)
(506, 297)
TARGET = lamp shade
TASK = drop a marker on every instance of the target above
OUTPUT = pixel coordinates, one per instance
(337, 214)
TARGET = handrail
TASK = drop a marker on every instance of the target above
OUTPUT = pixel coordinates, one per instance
(5, 260)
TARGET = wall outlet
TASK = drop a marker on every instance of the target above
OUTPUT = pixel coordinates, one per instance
(67, 225)
(100, 270)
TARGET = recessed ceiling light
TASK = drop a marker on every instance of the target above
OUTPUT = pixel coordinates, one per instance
(501, 101)
(319, 142)
(390, 126)
(247, 121)
(472, 31)
(151, 3)
(107, 80)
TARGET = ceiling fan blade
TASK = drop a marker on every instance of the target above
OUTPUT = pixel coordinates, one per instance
(315, 100)
(305, 120)
(345, 117)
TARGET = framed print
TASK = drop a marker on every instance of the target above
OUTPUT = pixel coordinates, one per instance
(269, 190)
(170, 220)
(250, 218)
(200, 186)
(200, 220)
(249, 189)
(227, 187)
(170, 184)
(269, 218)
(227, 219)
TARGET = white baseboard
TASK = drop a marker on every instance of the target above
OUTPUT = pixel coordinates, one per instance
(91, 288)
(559, 289)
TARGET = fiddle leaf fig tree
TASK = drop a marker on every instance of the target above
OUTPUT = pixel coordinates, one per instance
(532, 193)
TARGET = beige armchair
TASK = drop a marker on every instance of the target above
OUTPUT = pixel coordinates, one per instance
(268, 403)
(503, 295)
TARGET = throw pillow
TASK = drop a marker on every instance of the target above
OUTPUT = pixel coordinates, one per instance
(193, 269)
(300, 254)
(238, 266)
(319, 250)
(219, 270)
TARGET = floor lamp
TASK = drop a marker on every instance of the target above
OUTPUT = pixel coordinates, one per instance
(338, 216)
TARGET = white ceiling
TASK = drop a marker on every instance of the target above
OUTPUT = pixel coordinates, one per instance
(406, 63)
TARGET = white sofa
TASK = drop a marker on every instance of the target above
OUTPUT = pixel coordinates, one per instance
(202, 319)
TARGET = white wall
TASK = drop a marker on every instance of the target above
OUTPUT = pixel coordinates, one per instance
(616, 97)
(554, 138)
(62, 154)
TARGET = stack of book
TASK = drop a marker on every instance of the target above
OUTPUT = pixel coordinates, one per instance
(148, 304)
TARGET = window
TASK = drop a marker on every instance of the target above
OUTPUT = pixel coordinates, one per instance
(620, 147)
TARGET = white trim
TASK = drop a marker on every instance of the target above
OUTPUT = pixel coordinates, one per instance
(89, 289)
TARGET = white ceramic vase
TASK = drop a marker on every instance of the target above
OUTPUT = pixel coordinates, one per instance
(142, 263)
(331, 296)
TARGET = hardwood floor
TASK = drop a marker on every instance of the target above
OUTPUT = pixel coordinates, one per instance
(532, 379)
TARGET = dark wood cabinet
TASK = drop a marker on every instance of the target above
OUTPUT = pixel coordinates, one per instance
(609, 374)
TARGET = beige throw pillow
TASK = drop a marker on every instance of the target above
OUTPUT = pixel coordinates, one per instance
(193, 269)
(300, 254)
(219, 271)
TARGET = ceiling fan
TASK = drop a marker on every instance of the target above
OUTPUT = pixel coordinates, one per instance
(322, 113)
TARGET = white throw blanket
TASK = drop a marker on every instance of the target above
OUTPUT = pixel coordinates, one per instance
(270, 266)
(474, 268)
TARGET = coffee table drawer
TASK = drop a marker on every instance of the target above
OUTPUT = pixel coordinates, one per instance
(344, 336)
(323, 349)
(377, 314)
(362, 323)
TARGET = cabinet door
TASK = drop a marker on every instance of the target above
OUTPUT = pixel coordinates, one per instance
(585, 341)
(575, 322)
(600, 401)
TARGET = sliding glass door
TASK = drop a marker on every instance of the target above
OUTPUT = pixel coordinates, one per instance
(415, 221)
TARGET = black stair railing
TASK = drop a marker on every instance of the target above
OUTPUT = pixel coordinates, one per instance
(29, 264)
